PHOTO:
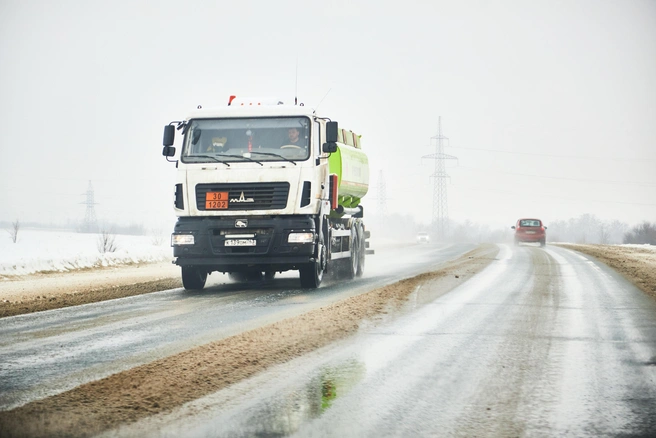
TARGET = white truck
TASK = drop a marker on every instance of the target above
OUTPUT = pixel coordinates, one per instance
(264, 187)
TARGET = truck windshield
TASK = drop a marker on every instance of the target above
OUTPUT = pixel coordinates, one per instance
(236, 140)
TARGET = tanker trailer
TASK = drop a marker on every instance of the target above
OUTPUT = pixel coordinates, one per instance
(264, 187)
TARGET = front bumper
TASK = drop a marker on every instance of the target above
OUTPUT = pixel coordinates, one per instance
(271, 250)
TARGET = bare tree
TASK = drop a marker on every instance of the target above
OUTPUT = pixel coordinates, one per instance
(604, 234)
(617, 230)
(586, 224)
(106, 242)
(157, 239)
(13, 232)
(642, 233)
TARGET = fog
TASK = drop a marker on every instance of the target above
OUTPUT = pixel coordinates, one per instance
(550, 107)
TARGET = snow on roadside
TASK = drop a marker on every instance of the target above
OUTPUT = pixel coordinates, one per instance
(60, 251)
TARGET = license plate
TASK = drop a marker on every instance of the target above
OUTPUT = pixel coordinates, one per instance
(530, 232)
(240, 242)
(216, 200)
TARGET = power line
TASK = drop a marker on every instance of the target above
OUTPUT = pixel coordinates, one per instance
(557, 156)
(643, 183)
(533, 196)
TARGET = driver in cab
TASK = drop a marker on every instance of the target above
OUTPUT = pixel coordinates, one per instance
(217, 145)
(294, 138)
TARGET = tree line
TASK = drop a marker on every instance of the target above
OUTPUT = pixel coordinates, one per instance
(586, 228)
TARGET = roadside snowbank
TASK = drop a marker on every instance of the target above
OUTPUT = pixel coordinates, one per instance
(59, 251)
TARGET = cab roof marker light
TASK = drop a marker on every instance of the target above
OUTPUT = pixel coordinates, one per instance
(256, 101)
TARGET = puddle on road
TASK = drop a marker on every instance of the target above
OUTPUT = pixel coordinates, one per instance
(277, 410)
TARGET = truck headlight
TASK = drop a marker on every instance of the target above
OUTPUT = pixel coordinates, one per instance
(182, 239)
(300, 238)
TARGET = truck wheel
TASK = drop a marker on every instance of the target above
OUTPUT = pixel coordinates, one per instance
(312, 273)
(354, 260)
(269, 275)
(193, 278)
(543, 242)
(363, 250)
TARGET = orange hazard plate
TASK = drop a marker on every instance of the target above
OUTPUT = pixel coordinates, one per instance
(216, 201)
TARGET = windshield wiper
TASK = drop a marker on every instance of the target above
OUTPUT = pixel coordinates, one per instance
(241, 156)
(275, 155)
(208, 156)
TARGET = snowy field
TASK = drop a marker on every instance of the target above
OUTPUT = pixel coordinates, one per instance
(47, 251)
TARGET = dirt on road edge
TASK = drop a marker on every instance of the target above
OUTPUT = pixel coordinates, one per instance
(635, 264)
(39, 292)
(68, 299)
(168, 383)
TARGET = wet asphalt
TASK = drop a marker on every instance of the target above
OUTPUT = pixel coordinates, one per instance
(543, 342)
(49, 352)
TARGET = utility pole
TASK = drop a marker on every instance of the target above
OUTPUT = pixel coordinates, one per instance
(440, 219)
(381, 196)
(90, 224)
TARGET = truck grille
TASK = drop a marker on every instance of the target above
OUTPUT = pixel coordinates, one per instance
(265, 196)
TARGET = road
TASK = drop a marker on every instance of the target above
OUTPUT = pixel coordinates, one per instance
(46, 353)
(543, 342)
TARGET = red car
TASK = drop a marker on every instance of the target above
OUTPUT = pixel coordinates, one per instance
(530, 230)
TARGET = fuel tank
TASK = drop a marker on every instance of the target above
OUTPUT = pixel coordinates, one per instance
(351, 166)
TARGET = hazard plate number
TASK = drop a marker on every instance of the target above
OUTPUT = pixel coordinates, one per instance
(216, 201)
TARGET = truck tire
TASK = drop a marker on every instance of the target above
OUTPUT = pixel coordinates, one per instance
(312, 273)
(193, 278)
(354, 247)
(363, 250)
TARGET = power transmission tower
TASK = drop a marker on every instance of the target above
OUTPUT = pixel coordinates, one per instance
(381, 196)
(90, 224)
(440, 219)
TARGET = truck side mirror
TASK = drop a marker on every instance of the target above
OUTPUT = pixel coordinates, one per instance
(168, 151)
(169, 136)
(331, 132)
(329, 148)
(330, 145)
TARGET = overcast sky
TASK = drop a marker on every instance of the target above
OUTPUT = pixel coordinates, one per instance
(550, 106)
